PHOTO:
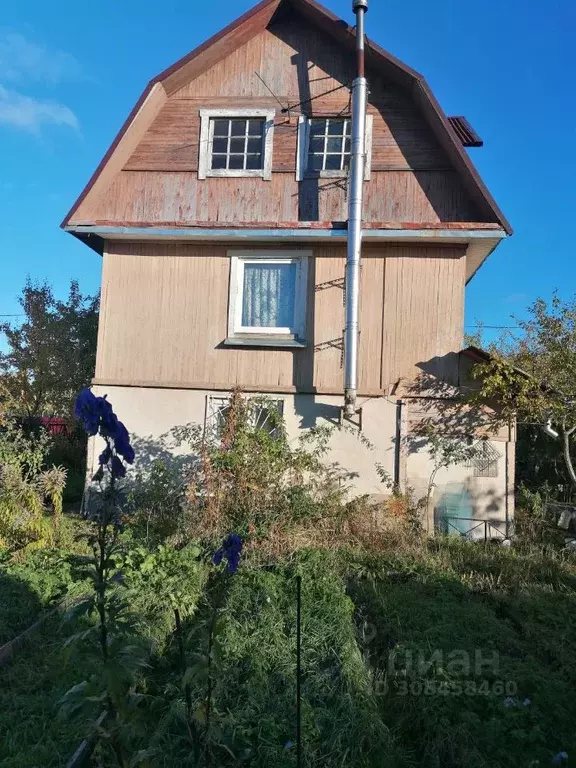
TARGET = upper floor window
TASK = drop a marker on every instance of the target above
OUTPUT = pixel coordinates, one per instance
(324, 146)
(329, 144)
(236, 142)
(267, 305)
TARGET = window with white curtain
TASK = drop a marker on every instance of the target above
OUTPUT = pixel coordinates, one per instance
(268, 297)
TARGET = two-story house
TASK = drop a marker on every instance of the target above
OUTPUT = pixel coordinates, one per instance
(221, 214)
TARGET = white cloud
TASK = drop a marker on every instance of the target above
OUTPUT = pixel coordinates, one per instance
(22, 60)
(30, 114)
(515, 298)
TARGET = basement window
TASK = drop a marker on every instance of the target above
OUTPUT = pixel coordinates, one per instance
(235, 143)
(263, 414)
(267, 305)
(324, 147)
(484, 459)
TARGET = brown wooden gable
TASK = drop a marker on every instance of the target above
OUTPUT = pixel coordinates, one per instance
(420, 171)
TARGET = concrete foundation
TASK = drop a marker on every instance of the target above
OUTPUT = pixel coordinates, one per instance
(459, 493)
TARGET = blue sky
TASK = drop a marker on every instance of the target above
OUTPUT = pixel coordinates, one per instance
(70, 72)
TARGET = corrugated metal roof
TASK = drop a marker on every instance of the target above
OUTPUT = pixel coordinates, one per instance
(465, 132)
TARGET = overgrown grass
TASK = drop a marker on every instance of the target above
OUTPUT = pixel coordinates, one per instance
(368, 619)
(33, 586)
(30, 690)
(463, 601)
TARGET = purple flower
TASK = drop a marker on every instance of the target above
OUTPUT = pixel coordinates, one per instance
(87, 412)
(108, 419)
(122, 443)
(117, 468)
(560, 758)
(105, 456)
(230, 551)
(97, 416)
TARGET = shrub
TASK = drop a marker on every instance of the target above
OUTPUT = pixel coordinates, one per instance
(249, 478)
(156, 504)
(69, 451)
(24, 486)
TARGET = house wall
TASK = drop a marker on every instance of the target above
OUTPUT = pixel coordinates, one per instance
(150, 413)
(290, 62)
(459, 495)
(164, 314)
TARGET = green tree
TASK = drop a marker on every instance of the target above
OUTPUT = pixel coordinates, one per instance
(51, 355)
(534, 381)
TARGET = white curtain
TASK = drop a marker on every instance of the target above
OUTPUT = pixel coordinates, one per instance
(268, 295)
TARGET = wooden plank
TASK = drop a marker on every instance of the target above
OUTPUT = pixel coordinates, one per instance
(86, 746)
(233, 37)
(288, 56)
(126, 145)
(423, 313)
(262, 54)
(394, 197)
(329, 317)
(288, 63)
(165, 310)
(293, 64)
(370, 320)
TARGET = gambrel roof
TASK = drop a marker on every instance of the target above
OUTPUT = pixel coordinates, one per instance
(240, 32)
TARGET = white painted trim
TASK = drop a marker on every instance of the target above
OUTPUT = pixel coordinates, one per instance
(303, 143)
(205, 143)
(279, 234)
(302, 148)
(368, 148)
(238, 258)
(270, 254)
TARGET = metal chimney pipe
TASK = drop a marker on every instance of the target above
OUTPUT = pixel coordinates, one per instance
(357, 159)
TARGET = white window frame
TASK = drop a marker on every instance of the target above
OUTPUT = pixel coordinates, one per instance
(238, 259)
(302, 171)
(205, 144)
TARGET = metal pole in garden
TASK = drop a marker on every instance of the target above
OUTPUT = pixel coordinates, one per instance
(298, 670)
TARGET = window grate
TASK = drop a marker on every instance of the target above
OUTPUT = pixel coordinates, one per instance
(260, 415)
(329, 145)
(237, 143)
(484, 459)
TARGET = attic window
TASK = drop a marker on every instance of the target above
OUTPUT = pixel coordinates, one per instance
(324, 147)
(329, 144)
(235, 142)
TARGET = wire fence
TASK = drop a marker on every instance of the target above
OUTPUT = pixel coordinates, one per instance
(474, 529)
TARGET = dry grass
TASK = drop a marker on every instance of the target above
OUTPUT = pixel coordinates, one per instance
(364, 526)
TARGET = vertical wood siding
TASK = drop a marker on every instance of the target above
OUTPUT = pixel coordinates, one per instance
(164, 319)
(423, 313)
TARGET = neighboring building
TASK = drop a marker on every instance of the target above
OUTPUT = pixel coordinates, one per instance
(220, 212)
